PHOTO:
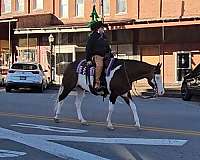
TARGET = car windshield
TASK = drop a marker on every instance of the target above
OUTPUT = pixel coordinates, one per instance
(24, 66)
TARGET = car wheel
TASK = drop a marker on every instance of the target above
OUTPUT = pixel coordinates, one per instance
(41, 88)
(185, 93)
(8, 89)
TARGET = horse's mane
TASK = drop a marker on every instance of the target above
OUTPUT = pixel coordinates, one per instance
(134, 63)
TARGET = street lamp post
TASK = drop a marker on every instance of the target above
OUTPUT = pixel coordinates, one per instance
(102, 11)
(51, 40)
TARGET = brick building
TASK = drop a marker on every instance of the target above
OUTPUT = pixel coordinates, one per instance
(166, 31)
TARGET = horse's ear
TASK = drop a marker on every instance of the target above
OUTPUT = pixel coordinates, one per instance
(159, 64)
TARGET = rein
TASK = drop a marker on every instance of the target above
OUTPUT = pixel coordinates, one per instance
(137, 95)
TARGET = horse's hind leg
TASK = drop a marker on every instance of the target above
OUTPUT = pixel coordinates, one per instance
(63, 92)
(79, 97)
(129, 101)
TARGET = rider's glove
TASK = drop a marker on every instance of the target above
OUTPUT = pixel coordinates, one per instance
(89, 63)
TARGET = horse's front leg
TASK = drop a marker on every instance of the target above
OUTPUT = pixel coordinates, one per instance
(111, 109)
(134, 110)
(79, 98)
(128, 99)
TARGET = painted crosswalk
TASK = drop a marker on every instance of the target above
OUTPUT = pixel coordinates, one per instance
(42, 141)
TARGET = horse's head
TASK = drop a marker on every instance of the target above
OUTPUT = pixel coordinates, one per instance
(155, 81)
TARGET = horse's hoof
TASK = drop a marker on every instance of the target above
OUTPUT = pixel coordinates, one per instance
(56, 120)
(111, 128)
(137, 128)
(84, 123)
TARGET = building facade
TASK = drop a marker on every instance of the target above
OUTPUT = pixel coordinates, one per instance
(166, 31)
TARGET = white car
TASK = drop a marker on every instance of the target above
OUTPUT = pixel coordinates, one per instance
(26, 75)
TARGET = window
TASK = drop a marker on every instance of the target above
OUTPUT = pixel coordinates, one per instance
(6, 6)
(64, 8)
(37, 4)
(106, 7)
(79, 8)
(19, 5)
(121, 6)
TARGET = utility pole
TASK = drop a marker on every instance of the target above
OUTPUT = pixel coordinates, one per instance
(102, 11)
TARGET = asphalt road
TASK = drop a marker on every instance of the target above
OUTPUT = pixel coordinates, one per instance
(170, 129)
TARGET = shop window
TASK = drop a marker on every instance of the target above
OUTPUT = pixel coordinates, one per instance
(183, 64)
(5, 57)
(38, 4)
(62, 59)
(26, 55)
(5, 6)
(106, 7)
(121, 6)
(20, 5)
(114, 35)
(79, 8)
(70, 37)
(64, 8)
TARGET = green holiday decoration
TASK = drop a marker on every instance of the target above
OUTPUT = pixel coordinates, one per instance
(94, 17)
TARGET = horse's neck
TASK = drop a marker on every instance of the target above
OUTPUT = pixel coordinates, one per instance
(137, 70)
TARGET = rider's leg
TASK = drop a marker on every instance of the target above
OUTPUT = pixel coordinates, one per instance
(99, 67)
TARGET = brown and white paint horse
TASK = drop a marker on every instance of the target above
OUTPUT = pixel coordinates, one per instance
(122, 74)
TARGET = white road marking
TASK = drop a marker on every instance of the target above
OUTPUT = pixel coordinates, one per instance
(132, 141)
(49, 128)
(7, 153)
(49, 147)
(42, 141)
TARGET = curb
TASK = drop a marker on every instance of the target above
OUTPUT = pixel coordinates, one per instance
(170, 94)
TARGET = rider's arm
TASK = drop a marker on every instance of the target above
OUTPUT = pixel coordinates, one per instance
(89, 49)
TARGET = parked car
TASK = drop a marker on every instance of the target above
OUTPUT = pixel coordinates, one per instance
(191, 84)
(26, 75)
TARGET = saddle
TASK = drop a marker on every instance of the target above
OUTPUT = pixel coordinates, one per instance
(89, 71)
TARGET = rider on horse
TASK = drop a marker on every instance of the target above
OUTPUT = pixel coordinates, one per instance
(97, 48)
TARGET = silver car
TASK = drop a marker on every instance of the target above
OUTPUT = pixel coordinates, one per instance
(26, 75)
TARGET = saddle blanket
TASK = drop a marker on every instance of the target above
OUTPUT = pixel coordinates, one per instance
(82, 68)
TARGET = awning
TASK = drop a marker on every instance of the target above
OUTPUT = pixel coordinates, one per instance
(50, 30)
(37, 21)
(164, 22)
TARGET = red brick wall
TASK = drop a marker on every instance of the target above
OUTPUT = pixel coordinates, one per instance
(171, 8)
(191, 8)
(148, 9)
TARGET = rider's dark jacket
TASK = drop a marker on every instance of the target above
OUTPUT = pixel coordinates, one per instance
(97, 45)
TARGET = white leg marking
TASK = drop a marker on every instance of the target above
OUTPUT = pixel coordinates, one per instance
(78, 101)
(133, 108)
(111, 109)
(58, 108)
(58, 104)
